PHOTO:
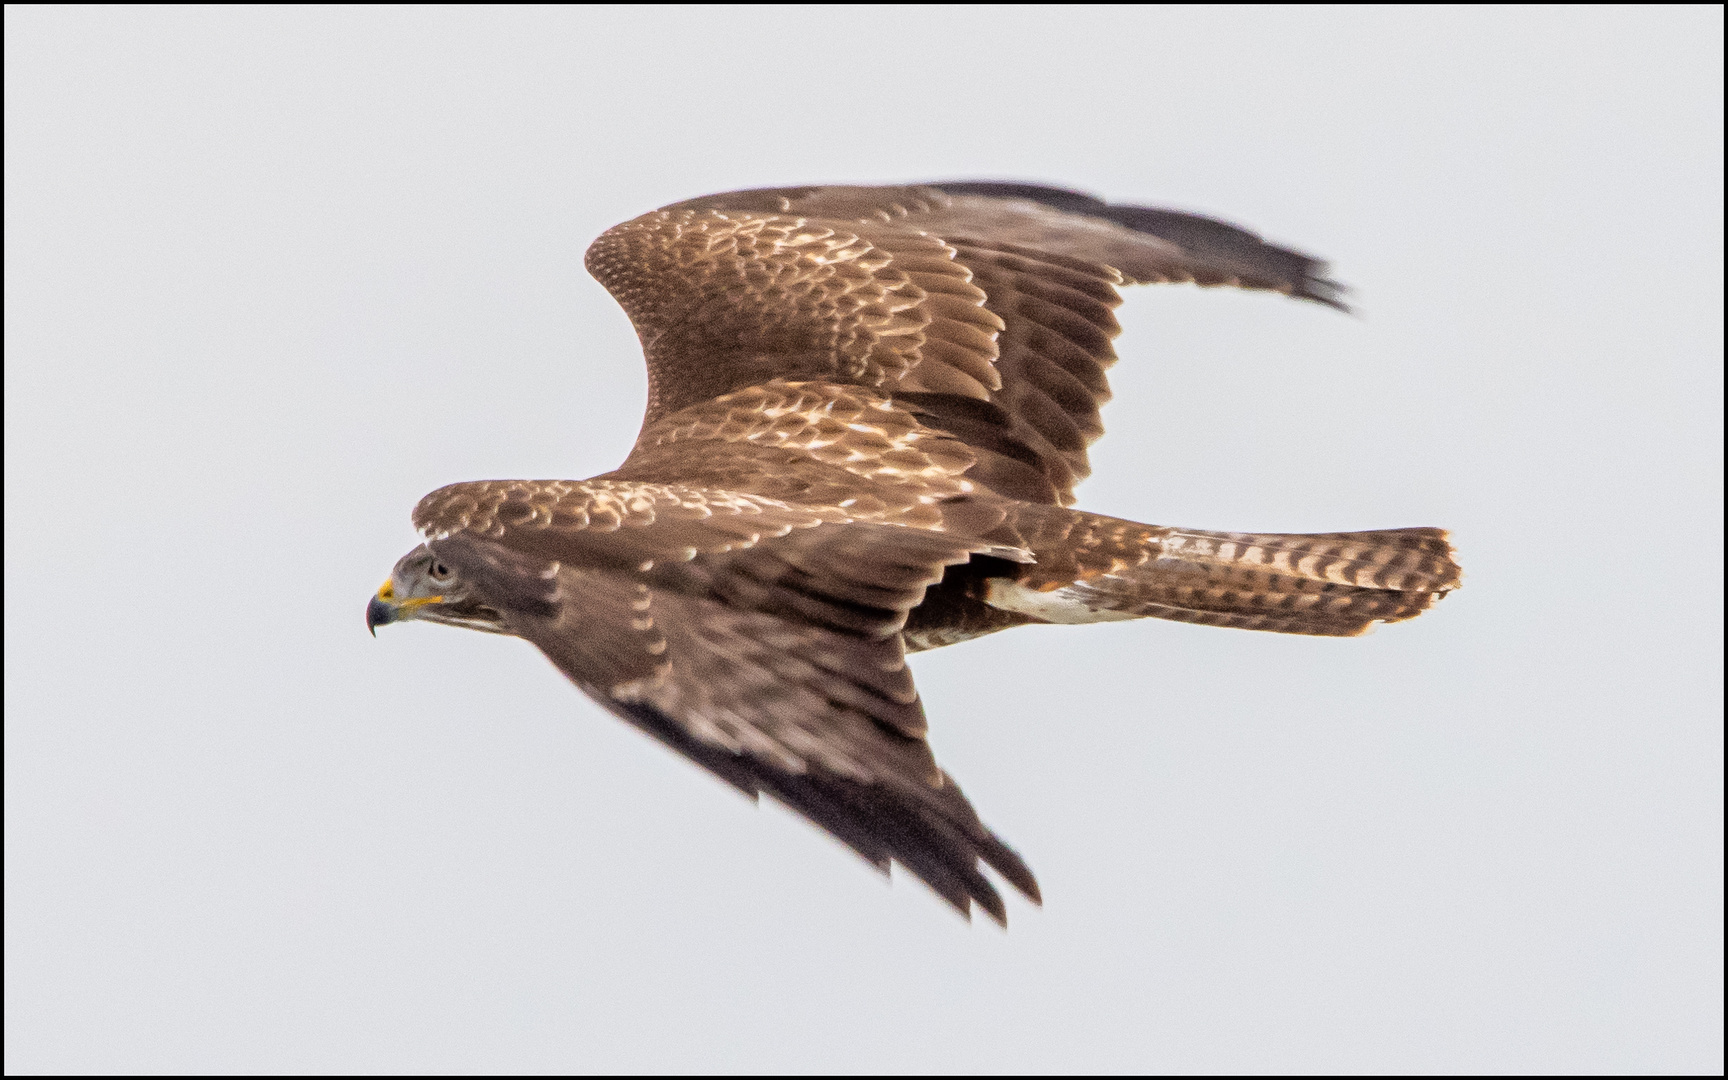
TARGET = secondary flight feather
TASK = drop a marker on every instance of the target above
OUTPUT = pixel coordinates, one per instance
(868, 408)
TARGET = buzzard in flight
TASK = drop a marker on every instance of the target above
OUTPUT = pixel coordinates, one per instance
(867, 411)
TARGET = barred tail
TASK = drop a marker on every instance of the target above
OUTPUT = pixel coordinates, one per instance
(1093, 569)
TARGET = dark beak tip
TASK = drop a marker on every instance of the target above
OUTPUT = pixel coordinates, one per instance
(378, 613)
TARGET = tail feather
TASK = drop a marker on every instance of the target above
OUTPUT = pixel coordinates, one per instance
(1091, 568)
(1404, 560)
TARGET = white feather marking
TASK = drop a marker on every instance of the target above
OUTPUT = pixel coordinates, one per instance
(1065, 605)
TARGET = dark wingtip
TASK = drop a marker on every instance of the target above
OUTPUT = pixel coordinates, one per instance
(1077, 202)
(1323, 290)
(993, 907)
(1007, 862)
(1258, 264)
(941, 852)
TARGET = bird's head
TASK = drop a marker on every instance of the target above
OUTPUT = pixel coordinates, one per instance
(422, 586)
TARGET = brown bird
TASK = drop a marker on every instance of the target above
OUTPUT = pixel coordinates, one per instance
(867, 411)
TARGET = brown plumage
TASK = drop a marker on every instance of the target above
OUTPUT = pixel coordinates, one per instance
(867, 411)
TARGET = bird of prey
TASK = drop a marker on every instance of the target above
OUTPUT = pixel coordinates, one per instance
(867, 411)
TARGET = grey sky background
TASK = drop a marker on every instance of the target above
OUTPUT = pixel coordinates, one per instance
(273, 274)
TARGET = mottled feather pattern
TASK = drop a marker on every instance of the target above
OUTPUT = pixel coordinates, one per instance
(490, 507)
(1407, 560)
(868, 409)
(728, 299)
(783, 654)
(857, 430)
(787, 694)
(1334, 584)
(1047, 277)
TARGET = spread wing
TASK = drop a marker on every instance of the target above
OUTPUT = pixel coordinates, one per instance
(760, 639)
(983, 309)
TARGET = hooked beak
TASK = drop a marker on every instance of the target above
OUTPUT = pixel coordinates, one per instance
(384, 608)
(378, 613)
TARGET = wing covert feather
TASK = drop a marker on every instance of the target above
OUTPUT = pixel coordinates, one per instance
(957, 292)
(725, 300)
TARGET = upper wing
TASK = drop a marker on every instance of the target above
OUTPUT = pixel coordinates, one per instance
(983, 308)
(759, 639)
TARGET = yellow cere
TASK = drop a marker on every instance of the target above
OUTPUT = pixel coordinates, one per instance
(387, 593)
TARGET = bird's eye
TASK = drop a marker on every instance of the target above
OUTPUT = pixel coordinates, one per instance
(440, 571)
